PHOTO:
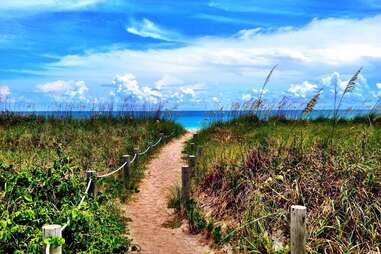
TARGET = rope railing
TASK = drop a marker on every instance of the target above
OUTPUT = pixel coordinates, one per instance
(148, 148)
(113, 172)
(56, 230)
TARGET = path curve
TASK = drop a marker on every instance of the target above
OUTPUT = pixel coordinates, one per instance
(148, 208)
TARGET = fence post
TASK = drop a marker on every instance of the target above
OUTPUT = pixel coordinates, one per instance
(52, 231)
(161, 136)
(126, 168)
(192, 161)
(193, 147)
(298, 229)
(199, 151)
(91, 174)
(185, 183)
(136, 151)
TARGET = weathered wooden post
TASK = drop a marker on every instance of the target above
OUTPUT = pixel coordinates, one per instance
(193, 147)
(136, 151)
(91, 174)
(298, 229)
(192, 161)
(161, 136)
(52, 231)
(126, 169)
(185, 183)
(199, 151)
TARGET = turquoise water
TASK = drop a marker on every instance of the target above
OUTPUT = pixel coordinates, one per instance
(198, 119)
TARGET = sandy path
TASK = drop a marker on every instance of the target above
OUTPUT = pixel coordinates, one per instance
(148, 208)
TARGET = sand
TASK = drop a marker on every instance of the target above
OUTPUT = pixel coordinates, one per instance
(148, 208)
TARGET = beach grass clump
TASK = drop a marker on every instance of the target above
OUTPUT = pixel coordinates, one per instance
(42, 179)
(251, 172)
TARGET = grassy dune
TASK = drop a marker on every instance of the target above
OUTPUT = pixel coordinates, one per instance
(42, 164)
(251, 172)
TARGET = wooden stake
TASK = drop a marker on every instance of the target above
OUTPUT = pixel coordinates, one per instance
(185, 183)
(52, 231)
(192, 161)
(193, 147)
(136, 151)
(126, 168)
(91, 174)
(298, 229)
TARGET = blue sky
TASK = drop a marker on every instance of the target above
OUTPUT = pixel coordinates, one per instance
(187, 54)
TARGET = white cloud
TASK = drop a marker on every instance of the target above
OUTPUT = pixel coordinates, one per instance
(226, 62)
(168, 80)
(147, 28)
(62, 90)
(301, 90)
(188, 91)
(127, 86)
(378, 85)
(246, 34)
(4, 93)
(336, 80)
(246, 97)
(47, 4)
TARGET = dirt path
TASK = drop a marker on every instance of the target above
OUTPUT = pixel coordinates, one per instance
(148, 209)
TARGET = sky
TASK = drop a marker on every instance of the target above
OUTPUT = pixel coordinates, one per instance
(187, 55)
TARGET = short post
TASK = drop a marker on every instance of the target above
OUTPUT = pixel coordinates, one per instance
(136, 151)
(185, 183)
(126, 169)
(199, 151)
(161, 135)
(298, 229)
(52, 231)
(192, 161)
(91, 174)
(193, 147)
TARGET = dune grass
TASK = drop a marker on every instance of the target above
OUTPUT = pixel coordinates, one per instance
(252, 171)
(42, 165)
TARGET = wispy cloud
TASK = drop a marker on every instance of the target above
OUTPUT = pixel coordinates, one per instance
(148, 29)
(47, 4)
(4, 93)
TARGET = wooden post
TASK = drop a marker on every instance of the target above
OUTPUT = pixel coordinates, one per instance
(298, 229)
(193, 147)
(91, 174)
(199, 151)
(192, 161)
(161, 136)
(126, 168)
(52, 231)
(185, 183)
(136, 151)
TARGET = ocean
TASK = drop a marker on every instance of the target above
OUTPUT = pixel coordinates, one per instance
(199, 119)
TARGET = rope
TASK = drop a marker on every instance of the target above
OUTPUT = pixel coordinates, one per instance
(80, 203)
(143, 153)
(113, 172)
(86, 191)
(157, 142)
(135, 156)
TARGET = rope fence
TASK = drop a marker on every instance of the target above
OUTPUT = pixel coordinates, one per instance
(56, 230)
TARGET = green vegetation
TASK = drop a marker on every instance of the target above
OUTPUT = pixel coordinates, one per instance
(42, 164)
(251, 172)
